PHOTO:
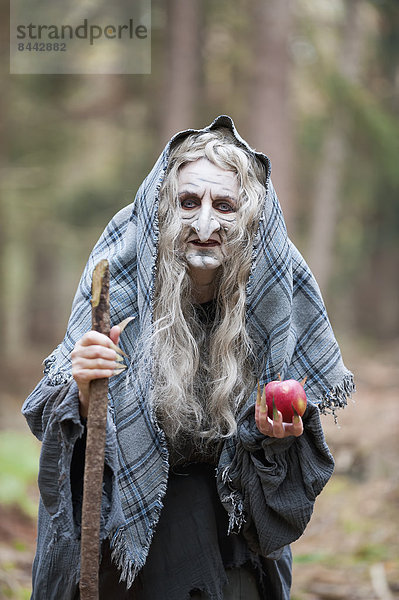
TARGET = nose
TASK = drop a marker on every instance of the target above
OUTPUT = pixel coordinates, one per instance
(205, 224)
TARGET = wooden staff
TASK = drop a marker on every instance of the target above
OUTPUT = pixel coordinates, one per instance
(95, 446)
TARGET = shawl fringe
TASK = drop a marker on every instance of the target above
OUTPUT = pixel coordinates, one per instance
(337, 397)
(55, 376)
(128, 564)
(235, 504)
(121, 553)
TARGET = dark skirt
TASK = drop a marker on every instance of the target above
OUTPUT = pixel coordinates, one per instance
(191, 555)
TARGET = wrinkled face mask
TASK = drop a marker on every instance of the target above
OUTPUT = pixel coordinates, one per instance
(208, 198)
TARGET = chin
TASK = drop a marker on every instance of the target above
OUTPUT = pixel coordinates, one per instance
(204, 264)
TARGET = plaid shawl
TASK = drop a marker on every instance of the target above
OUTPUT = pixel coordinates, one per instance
(286, 318)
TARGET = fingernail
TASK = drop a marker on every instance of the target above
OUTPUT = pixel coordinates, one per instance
(263, 406)
(125, 322)
(117, 349)
(119, 369)
(119, 358)
(304, 381)
(275, 411)
(295, 418)
(258, 395)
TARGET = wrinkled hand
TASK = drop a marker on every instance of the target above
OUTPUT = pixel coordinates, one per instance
(275, 428)
(95, 356)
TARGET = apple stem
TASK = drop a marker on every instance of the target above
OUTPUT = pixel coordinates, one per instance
(304, 381)
(279, 376)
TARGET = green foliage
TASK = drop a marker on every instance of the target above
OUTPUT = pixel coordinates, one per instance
(375, 126)
(310, 558)
(13, 591)
(19, 461)
(372, 553)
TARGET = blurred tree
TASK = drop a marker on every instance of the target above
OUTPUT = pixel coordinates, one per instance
(226, 58)
(334, 152)
(182, 60)
(4, 42)
(44, 285)
(376, 294)
(351, 146)
(269, 103)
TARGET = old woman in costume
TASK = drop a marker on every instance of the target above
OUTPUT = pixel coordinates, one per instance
(202, 493)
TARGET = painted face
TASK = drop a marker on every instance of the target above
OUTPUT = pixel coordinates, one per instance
(208, 199)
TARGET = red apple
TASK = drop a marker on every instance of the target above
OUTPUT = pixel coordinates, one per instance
(288, 395)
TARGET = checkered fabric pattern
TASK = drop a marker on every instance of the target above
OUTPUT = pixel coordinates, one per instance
(286, 318)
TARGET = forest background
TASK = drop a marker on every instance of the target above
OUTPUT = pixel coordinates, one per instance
(315, 85)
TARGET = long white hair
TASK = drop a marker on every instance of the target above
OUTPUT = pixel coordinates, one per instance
(203, 373)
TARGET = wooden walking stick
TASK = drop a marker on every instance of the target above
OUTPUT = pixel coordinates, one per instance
(95, 446)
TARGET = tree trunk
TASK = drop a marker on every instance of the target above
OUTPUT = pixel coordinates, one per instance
(15, 276)
(271, 127)
(44, 313)
(333, 156)
(182, 55)
(5, 331)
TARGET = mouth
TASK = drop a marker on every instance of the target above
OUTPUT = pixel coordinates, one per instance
(207, 244)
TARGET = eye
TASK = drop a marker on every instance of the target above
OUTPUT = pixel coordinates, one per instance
(188, 203)
(225, 207)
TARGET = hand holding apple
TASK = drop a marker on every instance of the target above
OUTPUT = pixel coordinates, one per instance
(287, 396)
(279, 408)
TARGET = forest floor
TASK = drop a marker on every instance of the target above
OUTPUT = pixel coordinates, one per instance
(350, 550)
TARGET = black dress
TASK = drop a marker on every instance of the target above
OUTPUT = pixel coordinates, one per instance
(191, 555)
